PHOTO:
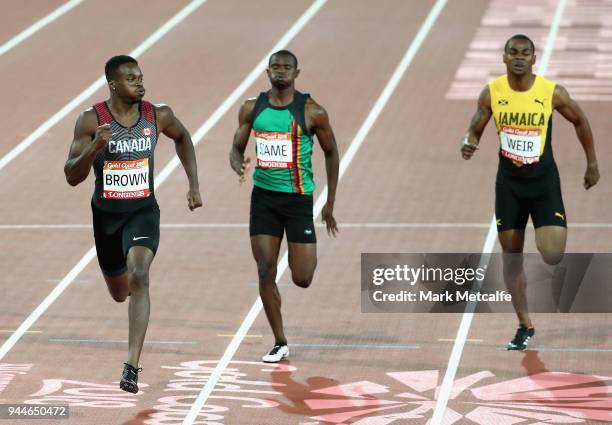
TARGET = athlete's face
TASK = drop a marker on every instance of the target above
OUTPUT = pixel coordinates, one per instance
(519, 57)
(128, 82)
(282, 71)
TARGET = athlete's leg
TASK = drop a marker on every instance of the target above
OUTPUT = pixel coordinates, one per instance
(512, 242)
(550, 241)
(118, 286)
(108, 236)
(140, 242)
(512, 213)
(265, 251)
(301, 239)
(551, 229)
(139, 261)
(302, 262)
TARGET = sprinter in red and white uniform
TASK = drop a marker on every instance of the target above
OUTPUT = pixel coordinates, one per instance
(117, 139)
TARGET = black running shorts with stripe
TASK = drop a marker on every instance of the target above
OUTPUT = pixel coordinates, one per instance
(518, 198)
(273, 213)
(115, 233)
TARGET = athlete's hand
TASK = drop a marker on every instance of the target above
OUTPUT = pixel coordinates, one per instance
(327, 216)
(244, 169)
(103, 134)
(591, 176)
(467, 149)
(194, 200)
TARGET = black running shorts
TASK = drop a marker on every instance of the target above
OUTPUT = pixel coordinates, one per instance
(116, 233)
(518, 198)
(272, 213)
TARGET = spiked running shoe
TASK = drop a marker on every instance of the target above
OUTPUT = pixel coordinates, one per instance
(522, 337)
(129, 379)
(276, 354)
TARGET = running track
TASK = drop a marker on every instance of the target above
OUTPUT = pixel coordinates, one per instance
(346, 367)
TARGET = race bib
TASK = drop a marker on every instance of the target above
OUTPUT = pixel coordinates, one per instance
(274, 149)
(126, 179)
(521, 146)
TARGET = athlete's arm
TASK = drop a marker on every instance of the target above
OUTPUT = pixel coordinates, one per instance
(88, 140)
(567, 107)
(238, 162)
(319, 121)
(481, 118)
(172, 127)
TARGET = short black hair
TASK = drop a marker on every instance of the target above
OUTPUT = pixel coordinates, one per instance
(113, 64)
(283, 53)
(519, 37)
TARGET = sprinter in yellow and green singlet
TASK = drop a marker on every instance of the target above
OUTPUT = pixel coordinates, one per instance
(527, 183)
(284, 122)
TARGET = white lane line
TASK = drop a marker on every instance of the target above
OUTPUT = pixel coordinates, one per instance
(321, 225)
(163, 175)
(119, 341)
(318, 206)
(38, 25)
(96, 85)
(466, 320)
(44, 305)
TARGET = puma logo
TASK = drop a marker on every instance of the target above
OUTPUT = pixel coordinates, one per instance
(561, 216)
(541, 102)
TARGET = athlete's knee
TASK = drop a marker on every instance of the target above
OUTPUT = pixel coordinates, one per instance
(119, 297)
(552, 258)
(303, 281)
(512, 247)
(138, 279)
(266, 269)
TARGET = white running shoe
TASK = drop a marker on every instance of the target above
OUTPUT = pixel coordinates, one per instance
(276, 354)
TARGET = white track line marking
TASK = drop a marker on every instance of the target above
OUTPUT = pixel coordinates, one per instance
(321, 225)
(466, 320)
(96, 85)
(318, 206)
(44, 305)
(119, 341)
(38, 25)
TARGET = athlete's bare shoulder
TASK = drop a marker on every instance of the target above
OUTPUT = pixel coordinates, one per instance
(246, 110)
(315, 112)
(162, 108)
(87, 122)
(89, 113)
(314, 108)
(249, 103)
(484, 99)
(164, 113)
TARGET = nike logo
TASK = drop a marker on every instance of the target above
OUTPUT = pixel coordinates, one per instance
(139, 237)
(541, 102)
(562, 216)
(498, 221)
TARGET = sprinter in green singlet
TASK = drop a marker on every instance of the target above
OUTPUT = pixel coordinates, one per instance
(527, 183)
(284, 122)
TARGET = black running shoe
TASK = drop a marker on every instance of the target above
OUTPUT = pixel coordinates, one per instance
(129, 379)
(521, 339)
